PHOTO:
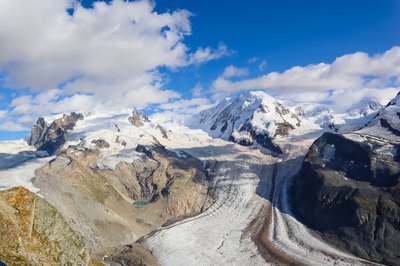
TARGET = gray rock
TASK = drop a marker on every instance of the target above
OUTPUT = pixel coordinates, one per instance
(101, 143)
(163, 131)
(51, 137)
(350, 191)
(138, 119)
(283, 129)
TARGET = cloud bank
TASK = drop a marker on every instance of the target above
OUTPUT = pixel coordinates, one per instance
(108, 56)
(347, 79)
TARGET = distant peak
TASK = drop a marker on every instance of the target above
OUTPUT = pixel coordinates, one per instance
(138, 118)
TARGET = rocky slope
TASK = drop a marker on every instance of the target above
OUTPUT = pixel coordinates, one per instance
(114, 207)
(33, 232)
(348, 188)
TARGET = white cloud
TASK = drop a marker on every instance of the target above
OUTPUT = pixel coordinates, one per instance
(121, 43)
(206, 54)
(181, 110)
(197, 90)
(232, 71)
(342, 99)
(351, 74)
(262, 65)
(185, 105)
(3, 114)
(107, 56)
(11, 126)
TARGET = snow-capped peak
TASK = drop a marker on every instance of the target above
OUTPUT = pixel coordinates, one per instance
(251, 117)
(364, 107)
(386, 123)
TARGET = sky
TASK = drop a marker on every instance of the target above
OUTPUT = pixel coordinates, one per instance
(181, 56)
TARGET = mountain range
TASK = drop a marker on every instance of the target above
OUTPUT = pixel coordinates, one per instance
(253, 180)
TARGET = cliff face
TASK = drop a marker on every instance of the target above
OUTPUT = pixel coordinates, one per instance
(51, 137)
(348, 188)
(137, 118)
(32, 232)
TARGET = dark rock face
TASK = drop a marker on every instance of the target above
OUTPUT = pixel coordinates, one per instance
(51, 137)
(261, 138)
(163, 131)
(138, 119)
(386, 124)
(283, 129)
(350, 191)
(101, 143)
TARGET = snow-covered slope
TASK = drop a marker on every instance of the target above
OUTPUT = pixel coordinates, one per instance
(365, 107)
(257, 118)
(386, 123)
(254, 117)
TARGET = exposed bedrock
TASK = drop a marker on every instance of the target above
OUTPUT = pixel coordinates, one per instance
(49, 138)
(348, 189)
(138, 119)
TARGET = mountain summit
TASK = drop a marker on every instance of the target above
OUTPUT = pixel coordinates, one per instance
(253, 117)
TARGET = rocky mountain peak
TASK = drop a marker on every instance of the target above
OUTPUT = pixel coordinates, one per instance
(364, 107)
(49, 138)
(253, 117)
(137, 118)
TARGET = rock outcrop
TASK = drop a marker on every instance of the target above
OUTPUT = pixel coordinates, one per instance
(134, 254)
(349, 189)
(32, 232)
(138, 119)
(51, 137)
(163, 131)
(101, 143)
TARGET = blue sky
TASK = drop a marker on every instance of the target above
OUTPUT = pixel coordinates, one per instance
(257, 37)
(286, 33)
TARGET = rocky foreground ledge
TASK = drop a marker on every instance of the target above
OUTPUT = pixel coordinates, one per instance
(33, 232)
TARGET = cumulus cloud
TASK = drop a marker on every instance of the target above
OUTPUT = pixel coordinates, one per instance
(3, 114)
(182, 110)
(186, 105)
(206, 54)
(355, 74)
(108, 55)
(8, 124)
(232, 71)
